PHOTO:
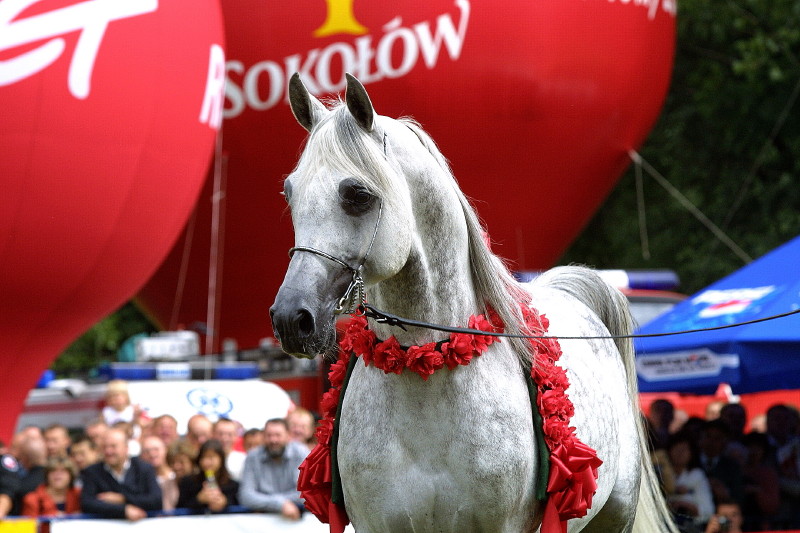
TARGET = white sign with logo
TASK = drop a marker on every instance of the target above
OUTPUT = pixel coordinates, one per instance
(251, 402)
(684, 364)
(729, 301)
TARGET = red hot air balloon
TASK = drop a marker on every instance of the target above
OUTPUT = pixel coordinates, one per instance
(535, 104)
(109, 113)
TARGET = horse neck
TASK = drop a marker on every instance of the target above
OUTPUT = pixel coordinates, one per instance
(436, 284)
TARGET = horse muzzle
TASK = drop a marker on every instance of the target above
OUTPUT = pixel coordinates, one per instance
(296, 329)
(303, 313)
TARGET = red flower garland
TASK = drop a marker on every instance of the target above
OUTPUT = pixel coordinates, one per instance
(573, 465)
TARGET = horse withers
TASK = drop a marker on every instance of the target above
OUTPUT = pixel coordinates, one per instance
(376, 208)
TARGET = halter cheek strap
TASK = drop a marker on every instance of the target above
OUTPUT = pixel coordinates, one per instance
(355, 297)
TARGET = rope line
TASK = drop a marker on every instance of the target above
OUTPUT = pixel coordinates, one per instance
(689, 206)
(641, 210)
(762, 154)
(394, 320)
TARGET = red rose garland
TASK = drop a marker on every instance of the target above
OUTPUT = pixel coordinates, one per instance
(573, 465)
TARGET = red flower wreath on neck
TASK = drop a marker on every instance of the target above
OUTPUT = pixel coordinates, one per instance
(573, 465)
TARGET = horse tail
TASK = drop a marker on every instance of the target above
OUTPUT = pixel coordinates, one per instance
(611, 306)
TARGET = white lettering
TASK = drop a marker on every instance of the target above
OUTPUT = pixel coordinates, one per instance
(211, 110)
(349, 64)
(275, 75)
(667, 6)
(295, 64)
(445, 31)
(233, 93)
(364, 56)
(394, 31)
(652, 9)
(90, 17)
(397, 52)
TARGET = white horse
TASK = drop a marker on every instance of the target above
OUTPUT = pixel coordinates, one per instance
(456, 452)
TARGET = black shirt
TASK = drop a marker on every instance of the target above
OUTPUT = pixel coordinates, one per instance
(9, 476)
(139, 487)
(190, 487)
(28, 483)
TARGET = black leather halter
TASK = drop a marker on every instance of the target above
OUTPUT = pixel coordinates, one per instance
(355, 297)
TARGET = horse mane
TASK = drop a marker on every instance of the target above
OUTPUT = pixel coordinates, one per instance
(494, 285)
(340, 143)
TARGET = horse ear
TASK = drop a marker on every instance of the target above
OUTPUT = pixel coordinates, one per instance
(358, 103)
(305, 106)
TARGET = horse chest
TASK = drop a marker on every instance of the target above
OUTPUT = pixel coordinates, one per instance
(425, 454)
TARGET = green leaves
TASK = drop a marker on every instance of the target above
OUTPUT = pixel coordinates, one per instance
(102, 341)
(728, 139)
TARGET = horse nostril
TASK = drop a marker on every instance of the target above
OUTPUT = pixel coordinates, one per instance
(272, 321)
(305, 323)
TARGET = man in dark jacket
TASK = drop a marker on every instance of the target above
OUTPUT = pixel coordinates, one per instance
(119, 486)
(32, 457)
(724, 474)
(9, 483)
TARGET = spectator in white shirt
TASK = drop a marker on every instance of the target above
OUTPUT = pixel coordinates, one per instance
(692, 500)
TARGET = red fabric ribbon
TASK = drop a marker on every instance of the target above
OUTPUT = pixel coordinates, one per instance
(316, 478)
(315, 481)
(572, 484)
(573, 465)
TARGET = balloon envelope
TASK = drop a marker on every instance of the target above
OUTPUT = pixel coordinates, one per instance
(535, 104)
(107, 132)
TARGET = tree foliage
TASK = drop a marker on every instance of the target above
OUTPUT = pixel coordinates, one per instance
(727, 138)
(102, 341)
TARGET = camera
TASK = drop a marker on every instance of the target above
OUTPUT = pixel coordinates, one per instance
(724, 523)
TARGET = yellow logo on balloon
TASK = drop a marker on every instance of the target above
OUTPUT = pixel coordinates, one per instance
(340, 19)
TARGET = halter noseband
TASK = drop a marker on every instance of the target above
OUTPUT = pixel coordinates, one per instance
(355, 297)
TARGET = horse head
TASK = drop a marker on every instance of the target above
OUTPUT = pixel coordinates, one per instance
(348, 230)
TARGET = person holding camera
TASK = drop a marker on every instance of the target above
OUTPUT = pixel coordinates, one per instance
(726, 519)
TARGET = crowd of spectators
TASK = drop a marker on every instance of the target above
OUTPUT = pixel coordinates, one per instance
(718, 475)
(125, 466)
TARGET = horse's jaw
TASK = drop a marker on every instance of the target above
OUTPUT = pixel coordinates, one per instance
(307, 353)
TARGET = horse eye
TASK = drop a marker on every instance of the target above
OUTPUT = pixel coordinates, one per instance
(355, 198)
(287, 190)
(361, 196)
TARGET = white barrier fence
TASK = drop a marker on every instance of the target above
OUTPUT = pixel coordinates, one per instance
(228, 523)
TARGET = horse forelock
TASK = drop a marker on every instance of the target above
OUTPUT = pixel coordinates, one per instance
(339, 146)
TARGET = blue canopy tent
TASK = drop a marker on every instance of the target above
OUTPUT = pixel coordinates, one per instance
(756, 357)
